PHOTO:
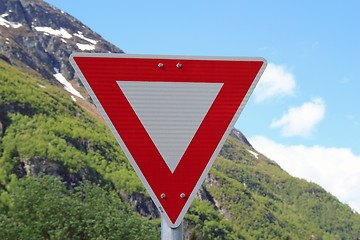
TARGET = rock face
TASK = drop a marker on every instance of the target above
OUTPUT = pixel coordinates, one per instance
(35, 166)
(43, 37)
(142, 204)
(1, 129)
(237, 134)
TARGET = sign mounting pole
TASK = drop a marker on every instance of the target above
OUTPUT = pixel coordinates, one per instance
(171, 115)
(168, 233)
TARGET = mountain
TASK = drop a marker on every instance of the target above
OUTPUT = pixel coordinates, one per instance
(39, 36)
(64, 176)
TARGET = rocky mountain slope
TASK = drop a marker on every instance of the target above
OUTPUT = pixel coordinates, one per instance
(42, 37)
(44, 131)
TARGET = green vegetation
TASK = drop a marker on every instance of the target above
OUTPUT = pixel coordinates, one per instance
(42, 124)
(44, 131)
(43, 208)
(89, 195)
(265, 202)
(208, 223)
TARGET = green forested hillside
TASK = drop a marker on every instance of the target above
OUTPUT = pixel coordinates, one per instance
(43, 208)
(44, 131)
(266, 201)
(63, 176)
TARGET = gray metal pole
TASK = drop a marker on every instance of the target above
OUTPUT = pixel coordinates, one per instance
(168, 233)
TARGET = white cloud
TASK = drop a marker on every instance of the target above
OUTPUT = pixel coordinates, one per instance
(276, 81)
(301, 121)
(335, 169)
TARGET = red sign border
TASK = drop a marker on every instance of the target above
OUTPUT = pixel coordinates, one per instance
(122, 144)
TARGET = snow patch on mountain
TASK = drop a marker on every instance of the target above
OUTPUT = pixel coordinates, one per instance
(253, 153)
(67, 85)
(80, 35)
(6, 23)
(85, 47)
(50, 31)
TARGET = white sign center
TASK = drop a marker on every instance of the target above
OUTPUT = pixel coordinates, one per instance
(171, 112)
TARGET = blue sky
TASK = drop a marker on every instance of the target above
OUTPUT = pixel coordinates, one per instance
(304, 113)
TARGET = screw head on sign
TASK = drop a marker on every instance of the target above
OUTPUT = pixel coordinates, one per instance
(163, 195)
(182, 195)
(160, 65)
(178, 65)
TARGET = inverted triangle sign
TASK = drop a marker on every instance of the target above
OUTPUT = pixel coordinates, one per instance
(170, 114)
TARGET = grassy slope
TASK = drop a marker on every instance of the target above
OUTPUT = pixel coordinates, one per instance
(42, 122)
(249, 197)
(265, 201)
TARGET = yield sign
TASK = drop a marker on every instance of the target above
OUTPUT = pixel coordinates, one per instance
(170, 114)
